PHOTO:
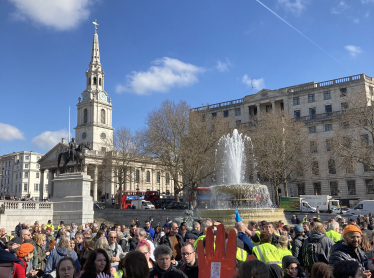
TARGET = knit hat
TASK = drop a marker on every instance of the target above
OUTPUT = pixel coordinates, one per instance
(350, 229)
(287, 260)
(25, 249)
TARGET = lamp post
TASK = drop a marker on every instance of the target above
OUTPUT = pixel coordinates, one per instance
(340, 200)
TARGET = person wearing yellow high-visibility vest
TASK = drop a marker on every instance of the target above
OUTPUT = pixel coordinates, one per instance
(252, 226)
(283, 247)
(305, 219)
(49, 225)
(243, 236)
(333, 233)
(267, 252)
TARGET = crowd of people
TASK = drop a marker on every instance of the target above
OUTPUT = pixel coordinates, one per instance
(313, 248)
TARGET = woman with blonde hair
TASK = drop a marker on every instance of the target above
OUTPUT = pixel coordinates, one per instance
(283, 247)
(42, 255)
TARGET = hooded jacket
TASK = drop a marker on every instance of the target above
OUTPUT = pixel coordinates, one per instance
(343, 252)
(297, 245)
(57, 254)
(326, 243)
(286, 261)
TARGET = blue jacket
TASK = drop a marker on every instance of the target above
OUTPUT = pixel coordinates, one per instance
(56, 255)
(151, 232)
(248, 244)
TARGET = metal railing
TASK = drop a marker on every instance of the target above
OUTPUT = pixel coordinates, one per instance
(319, 117)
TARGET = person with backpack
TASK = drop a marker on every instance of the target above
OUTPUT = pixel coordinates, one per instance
(349, 249)
(297, 242)
(317, 247)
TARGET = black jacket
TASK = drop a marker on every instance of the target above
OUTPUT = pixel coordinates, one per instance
(158, 273)
(297, 246)
(166, 240)
(190, 271)
(196, 232)
(342, 252)
(275, 240)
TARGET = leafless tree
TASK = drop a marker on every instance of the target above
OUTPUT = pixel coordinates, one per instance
(354, 132)
(281, 148)
(119, 160)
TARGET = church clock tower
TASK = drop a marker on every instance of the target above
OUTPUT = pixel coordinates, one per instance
(94, 113)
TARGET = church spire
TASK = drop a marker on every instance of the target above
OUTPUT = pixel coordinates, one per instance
(95, 56)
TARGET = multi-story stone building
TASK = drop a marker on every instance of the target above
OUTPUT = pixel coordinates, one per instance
(21, 175)
(317, 105)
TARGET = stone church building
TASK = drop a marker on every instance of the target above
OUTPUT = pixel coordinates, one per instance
(94, 126)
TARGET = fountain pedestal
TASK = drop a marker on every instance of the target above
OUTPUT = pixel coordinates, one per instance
(227, 216)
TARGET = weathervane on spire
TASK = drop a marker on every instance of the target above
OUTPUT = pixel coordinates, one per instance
(95, 23)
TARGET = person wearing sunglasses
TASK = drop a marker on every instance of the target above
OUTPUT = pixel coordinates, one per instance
(174, 241)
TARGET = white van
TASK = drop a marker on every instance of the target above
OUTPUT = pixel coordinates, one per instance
(363, 207)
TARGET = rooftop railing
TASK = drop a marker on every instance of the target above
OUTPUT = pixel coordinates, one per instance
(294, 89)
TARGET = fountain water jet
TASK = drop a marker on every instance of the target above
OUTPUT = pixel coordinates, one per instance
(252, 199)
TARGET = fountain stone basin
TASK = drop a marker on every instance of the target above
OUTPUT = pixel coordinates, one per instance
(227, 216)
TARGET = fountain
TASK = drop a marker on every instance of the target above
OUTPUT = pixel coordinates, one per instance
(252, 199)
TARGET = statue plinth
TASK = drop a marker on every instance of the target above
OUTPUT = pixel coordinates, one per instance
(72, 201)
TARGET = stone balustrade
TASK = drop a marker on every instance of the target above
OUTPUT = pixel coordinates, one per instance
(22, 205)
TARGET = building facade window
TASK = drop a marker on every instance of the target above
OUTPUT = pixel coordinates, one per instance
(301, 188)
(214, 114)
(296, 101)
(326, 95)
(148, 176)
(158, 177)
(344, 105)
(343, 92)
(317, 188)
(311, 98)
(312, 113)
(26, 165)
(313, 147)
(328, 144)
(27, 157)
(46, 187)
(334, 188)
(167, 178)
(94, 81)
(296, 114)
(26, 174)
(328, 127)
(99, 81)
(137, 175)
(25, 187)
(237, 112)
(36, 187)
(312, 129)
(238, 122)
(351, 187)
(102, 116)
(328, 108)
(331, 166)
(369, 186)
(37, 175)
(226, 113)
(85, 116)
(315, 167)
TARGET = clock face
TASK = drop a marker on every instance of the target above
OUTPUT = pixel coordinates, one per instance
(86, 95)
(84, 135)
(102, 96)
(103, 135)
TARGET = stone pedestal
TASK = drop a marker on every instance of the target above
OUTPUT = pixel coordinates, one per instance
(71, 199)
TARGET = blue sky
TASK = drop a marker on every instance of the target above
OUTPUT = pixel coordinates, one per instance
(198, 51)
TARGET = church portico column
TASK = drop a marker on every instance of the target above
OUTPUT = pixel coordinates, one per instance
(50, 178)
(258, 110)
(273, 106)
(41, 186)
(96, 177)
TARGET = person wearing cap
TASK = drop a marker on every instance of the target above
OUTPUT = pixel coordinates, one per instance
(333, 231)
(349, 249)
(13, 245)
(24, 253)
(7, 261)
(190, 237)
(297, 242)
(50, 225)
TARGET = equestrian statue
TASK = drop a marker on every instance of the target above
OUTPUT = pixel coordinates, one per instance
(74, 153)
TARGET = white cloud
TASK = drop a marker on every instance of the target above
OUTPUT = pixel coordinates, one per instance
(49, 139)
(339, 8)
(222, 66)
(257, 84)
(367, 1)
(356, 20)
(8, 133)
(58, 14)
(164, 75)
(367, 14)
(353, 50)
(295, 6)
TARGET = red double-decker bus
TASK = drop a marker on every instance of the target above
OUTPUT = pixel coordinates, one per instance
(203, 196)
(129, 195)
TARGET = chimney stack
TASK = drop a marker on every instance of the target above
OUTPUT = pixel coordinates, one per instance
(63, 140)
